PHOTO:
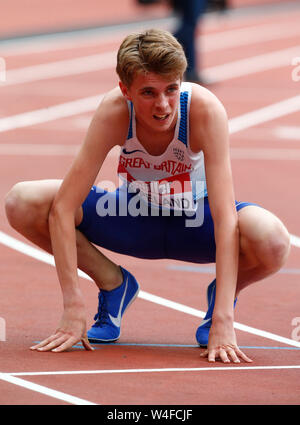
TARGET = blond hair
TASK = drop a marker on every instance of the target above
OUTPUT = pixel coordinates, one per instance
(152, 50)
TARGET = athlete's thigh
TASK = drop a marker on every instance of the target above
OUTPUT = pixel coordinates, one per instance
(37, 191)
(35, 196)
(257, 224)
(41, 193)
(197, 243)
(28, 204)
(192, 239)
(138, 236)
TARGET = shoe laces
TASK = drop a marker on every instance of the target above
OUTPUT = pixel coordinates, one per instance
(101, 316)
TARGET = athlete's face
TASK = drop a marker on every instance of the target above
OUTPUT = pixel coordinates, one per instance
(155, 99)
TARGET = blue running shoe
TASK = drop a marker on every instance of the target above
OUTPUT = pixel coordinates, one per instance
(202, 332)
(111, 307)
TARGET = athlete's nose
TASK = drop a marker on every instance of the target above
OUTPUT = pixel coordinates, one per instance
(162, 103)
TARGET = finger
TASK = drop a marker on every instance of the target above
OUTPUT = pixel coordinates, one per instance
(44, 342)
(223, 356)
(53, 344)
(233, 355)
(204, 354)
(243, 356)
(212, 356)
(65, 345)
(85, 342)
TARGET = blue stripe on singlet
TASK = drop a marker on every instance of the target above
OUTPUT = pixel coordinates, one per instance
(182, 135)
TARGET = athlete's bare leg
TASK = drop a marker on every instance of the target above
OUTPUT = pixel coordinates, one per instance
(264, 240)
(264, 245)
(27, 207)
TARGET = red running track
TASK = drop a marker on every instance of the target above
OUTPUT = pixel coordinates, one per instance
(156, 360)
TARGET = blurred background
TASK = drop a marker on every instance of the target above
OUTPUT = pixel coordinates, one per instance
(57, 59)
(28, 17)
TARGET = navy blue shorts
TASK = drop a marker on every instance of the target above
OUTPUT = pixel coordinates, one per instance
(148, 236)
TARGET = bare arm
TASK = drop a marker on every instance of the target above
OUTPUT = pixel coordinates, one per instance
(107, 129)
(210, 134)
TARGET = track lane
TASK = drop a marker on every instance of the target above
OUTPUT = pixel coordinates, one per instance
(278, 312)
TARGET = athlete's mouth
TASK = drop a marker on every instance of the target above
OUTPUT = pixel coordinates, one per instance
(161, 117)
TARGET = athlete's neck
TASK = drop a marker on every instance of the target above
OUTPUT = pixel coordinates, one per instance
(155, 142)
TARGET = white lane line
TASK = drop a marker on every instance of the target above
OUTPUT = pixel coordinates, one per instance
(264, 154)
(246, 36)
(26, 249)
(212, 269)
(44, 390)
(197, 313)
(295, 240)
(56, 43)
(51, 113)
(75, 107)
(252, 65)
(168, 369)
(47, 258)
(97, 62)
(265, 114)
(35, 149)
(91, 37)
(88, 104)
(227, 39)
(288, 132)
(61, 68)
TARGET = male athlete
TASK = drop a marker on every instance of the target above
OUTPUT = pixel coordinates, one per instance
(177, 201)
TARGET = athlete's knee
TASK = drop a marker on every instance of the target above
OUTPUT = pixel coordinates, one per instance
(265, 241)
(274, 246)
(277, 242)
(15, 204)
(24, 206)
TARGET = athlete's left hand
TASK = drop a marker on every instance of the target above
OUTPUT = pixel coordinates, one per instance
(222, 345)
(71, 330)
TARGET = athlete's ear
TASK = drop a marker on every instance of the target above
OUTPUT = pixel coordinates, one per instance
(124, 90)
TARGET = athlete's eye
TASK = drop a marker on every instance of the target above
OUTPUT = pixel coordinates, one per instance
(147, 92)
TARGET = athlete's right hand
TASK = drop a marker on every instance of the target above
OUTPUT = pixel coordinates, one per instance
(222, 344)
(71, 330)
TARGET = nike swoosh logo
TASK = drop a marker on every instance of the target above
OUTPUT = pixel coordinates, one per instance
(117, 320)
(204, 321)
(129, 152)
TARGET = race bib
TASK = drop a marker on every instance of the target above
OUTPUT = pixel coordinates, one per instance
(171, 193)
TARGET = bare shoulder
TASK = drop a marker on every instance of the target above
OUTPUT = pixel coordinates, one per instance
(113, 105)
(208, 119)
(204, 103)
(109, 125)
(111, 117)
